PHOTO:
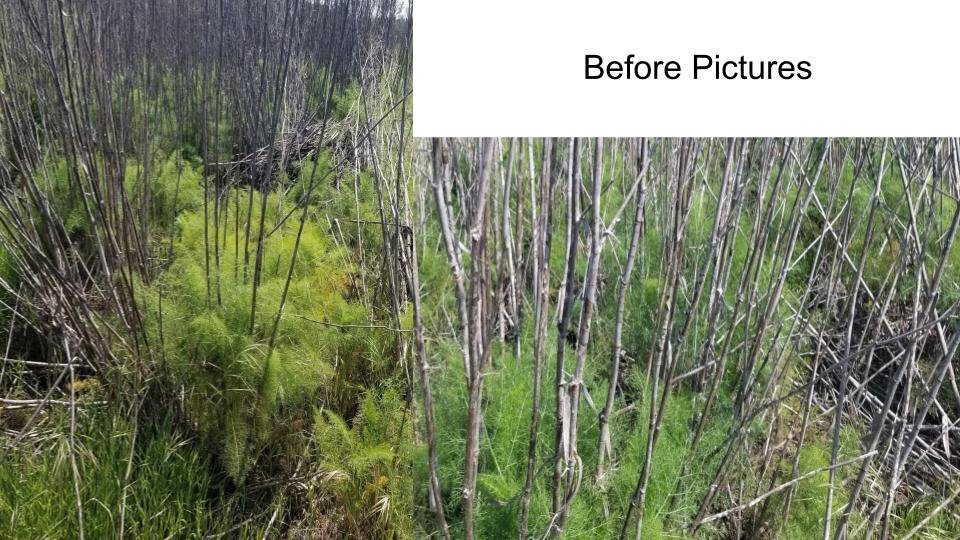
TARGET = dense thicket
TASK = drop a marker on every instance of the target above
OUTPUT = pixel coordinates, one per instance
(696, 337)
(203, 285)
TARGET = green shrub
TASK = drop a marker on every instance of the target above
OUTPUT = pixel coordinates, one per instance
(234, 391)
(365, 466)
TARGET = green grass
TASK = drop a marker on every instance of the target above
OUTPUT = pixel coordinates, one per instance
(943, 526)
(170, 493)
(504, 452)
(810, 497)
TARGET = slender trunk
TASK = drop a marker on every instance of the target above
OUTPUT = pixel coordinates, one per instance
(574, 466)
(605, 450)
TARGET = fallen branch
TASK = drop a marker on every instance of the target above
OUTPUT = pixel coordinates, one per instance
(781, 487)
(346, 326)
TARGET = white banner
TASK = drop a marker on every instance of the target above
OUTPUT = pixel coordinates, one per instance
(685, 68)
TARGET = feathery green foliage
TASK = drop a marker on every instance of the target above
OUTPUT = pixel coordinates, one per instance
(365, 467)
